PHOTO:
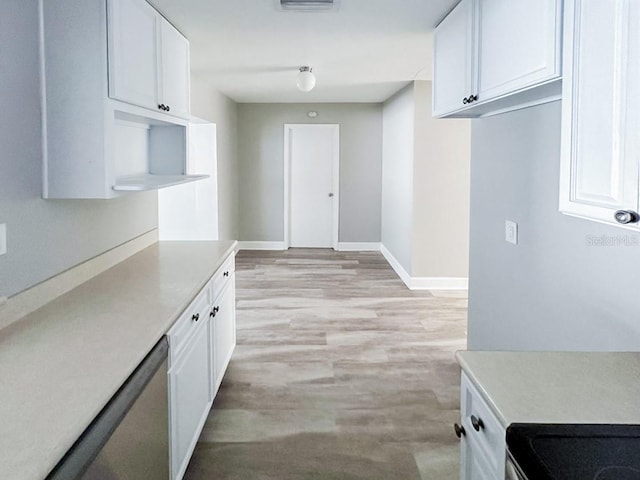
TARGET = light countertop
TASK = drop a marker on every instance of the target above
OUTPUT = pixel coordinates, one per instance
(61, 364)
(557, 387)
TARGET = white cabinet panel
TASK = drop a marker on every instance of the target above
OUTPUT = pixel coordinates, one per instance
(600, 147)
(132, 52)
(224, 332)
(174, 71)
(189, 401)
(453, 57)
(483, 445)
(517, 44)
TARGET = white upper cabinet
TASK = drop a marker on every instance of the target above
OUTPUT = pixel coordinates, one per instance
(518, 44)
(148, 59)
(509, 52)
(133, 66)
(600, 146)
(174, 69)
(103, 132)
(453, 65)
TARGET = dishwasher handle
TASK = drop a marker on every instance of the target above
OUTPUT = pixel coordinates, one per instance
(93, 439)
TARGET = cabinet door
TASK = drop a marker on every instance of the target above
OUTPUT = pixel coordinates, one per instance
(189, 400)
(133, 69)
(519, 45)
(174, 70)
(453, 59)
(599, 173)
(224, 332)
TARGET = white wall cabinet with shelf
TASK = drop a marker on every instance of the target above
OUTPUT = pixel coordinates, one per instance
(509, 54)
(95, 146)
(601, 112)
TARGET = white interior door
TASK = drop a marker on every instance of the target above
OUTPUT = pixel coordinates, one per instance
(311, 175)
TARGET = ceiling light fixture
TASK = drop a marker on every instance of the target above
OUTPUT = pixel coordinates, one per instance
(307, 5)
(306, 79)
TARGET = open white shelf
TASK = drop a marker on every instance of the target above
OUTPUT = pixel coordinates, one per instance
(146, 181)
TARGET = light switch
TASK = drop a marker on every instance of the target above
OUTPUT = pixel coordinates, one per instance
(3, 238)
(511, 232)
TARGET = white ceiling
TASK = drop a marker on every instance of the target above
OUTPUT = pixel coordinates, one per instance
(363, 52)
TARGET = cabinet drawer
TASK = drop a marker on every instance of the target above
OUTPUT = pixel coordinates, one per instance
(193, 317)
(223, 276)
(489, 440)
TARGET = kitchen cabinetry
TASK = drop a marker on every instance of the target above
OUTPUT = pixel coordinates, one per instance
(482, 448)
(96, 146)
(601, 112)
(148, 58)
(200, 345)
(174, 80)
(223, 315)
(492, 56)
(189, 381)
(453, 58)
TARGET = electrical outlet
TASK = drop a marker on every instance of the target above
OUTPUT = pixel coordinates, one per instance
(511, 232)
(3, 238)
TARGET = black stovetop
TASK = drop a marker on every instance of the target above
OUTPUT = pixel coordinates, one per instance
(575, 451)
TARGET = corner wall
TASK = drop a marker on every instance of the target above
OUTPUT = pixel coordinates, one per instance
(425, 192)
(398, 128)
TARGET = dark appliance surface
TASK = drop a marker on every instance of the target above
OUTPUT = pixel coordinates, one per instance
(575, 451)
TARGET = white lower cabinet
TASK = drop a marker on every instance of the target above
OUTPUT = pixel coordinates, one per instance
(483, 447)
(224, 333)
(200, 346)
(189, 399)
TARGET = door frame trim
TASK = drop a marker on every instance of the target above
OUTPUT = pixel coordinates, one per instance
(288, 130)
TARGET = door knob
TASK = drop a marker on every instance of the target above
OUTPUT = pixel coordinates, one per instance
(330, 195)
(626, 216)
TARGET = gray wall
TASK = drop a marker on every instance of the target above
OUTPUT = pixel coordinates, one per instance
(441, 191)
(261, 174)
(45, 237)
(397, 176)
(425, 186)
(209, 104)
(552, 291)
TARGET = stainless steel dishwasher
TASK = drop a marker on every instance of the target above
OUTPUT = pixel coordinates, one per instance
(129, 439)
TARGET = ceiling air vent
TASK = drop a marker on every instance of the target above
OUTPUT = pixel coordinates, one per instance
(307, 5)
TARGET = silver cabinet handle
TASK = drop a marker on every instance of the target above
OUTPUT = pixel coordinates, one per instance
(626, 216)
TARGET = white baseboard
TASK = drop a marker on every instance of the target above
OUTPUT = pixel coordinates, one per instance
(261, 246)
(424, 283)
(399, 269)
(439, 283)
(358, 246)
(27, 301)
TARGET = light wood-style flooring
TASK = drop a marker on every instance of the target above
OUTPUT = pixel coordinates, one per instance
(340, 372)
